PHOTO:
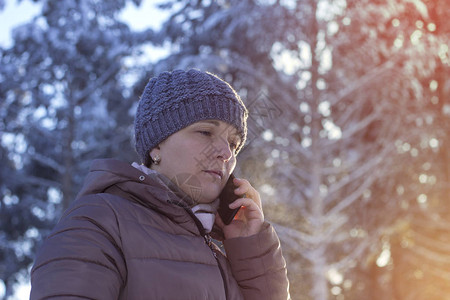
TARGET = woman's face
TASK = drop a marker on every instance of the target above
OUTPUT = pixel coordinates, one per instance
(199, 158)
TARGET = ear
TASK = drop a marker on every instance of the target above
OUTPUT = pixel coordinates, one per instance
(155, 152)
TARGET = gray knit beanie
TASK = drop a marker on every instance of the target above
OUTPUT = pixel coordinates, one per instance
(177, 99)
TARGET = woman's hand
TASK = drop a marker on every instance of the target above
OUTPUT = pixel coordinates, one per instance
(250, 218)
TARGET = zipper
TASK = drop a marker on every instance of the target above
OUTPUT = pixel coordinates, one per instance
(209, 243)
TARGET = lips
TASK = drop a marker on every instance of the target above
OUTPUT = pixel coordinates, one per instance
(216, 173)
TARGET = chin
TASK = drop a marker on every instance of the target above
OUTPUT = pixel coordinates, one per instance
(209, 197)
(206, 201)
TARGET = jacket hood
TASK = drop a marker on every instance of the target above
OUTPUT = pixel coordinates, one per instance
(154, 191)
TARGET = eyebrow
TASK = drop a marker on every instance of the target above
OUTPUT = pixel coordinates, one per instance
(211, 121)
(216, 123)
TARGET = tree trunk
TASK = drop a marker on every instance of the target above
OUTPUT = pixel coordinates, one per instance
(319, 259)
(67, 181)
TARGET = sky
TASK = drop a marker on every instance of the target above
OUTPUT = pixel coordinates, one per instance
(16, 13)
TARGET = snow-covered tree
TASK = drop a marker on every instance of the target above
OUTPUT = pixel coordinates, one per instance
(420, 268)
(340, 84)
(64, 86)
(348, 126)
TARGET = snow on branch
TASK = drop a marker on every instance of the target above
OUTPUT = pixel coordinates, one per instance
(299, 149)
(438, 223)
(359, 172)
(347, 261)
(81, 96)
(247, 68)
(322, 232)
(300, 173)
(355, 128)
(366, 80)
(49, 162)
(300, 238)
(433, 242)
(350, 199)
(299, 196)
(430, 255)
(344, 117)
(40, 181)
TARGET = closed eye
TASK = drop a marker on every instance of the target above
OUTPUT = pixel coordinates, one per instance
(206, 133)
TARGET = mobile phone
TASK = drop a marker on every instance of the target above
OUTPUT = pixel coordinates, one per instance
(226, 197)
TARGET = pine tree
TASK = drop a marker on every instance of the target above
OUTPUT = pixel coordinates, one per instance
(348, 125)
(341, 85)
(65, 101)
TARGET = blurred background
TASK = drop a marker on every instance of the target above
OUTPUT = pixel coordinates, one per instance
(349, 123)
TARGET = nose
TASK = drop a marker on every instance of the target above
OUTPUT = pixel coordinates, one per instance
(225, 152)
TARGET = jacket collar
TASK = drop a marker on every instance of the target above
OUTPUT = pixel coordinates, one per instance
(153, 191)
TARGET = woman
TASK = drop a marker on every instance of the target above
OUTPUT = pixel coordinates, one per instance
(143, 231)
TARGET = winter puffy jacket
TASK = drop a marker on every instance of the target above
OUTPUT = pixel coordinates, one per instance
(124, 238)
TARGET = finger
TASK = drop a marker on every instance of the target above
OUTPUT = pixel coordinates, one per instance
(248, 202)
(245, 188)
(242, 185)
(253, 196)
(249, 208)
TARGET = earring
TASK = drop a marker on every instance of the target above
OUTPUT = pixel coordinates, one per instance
(156, 159)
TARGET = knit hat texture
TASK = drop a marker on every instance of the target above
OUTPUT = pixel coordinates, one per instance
(177, 99)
